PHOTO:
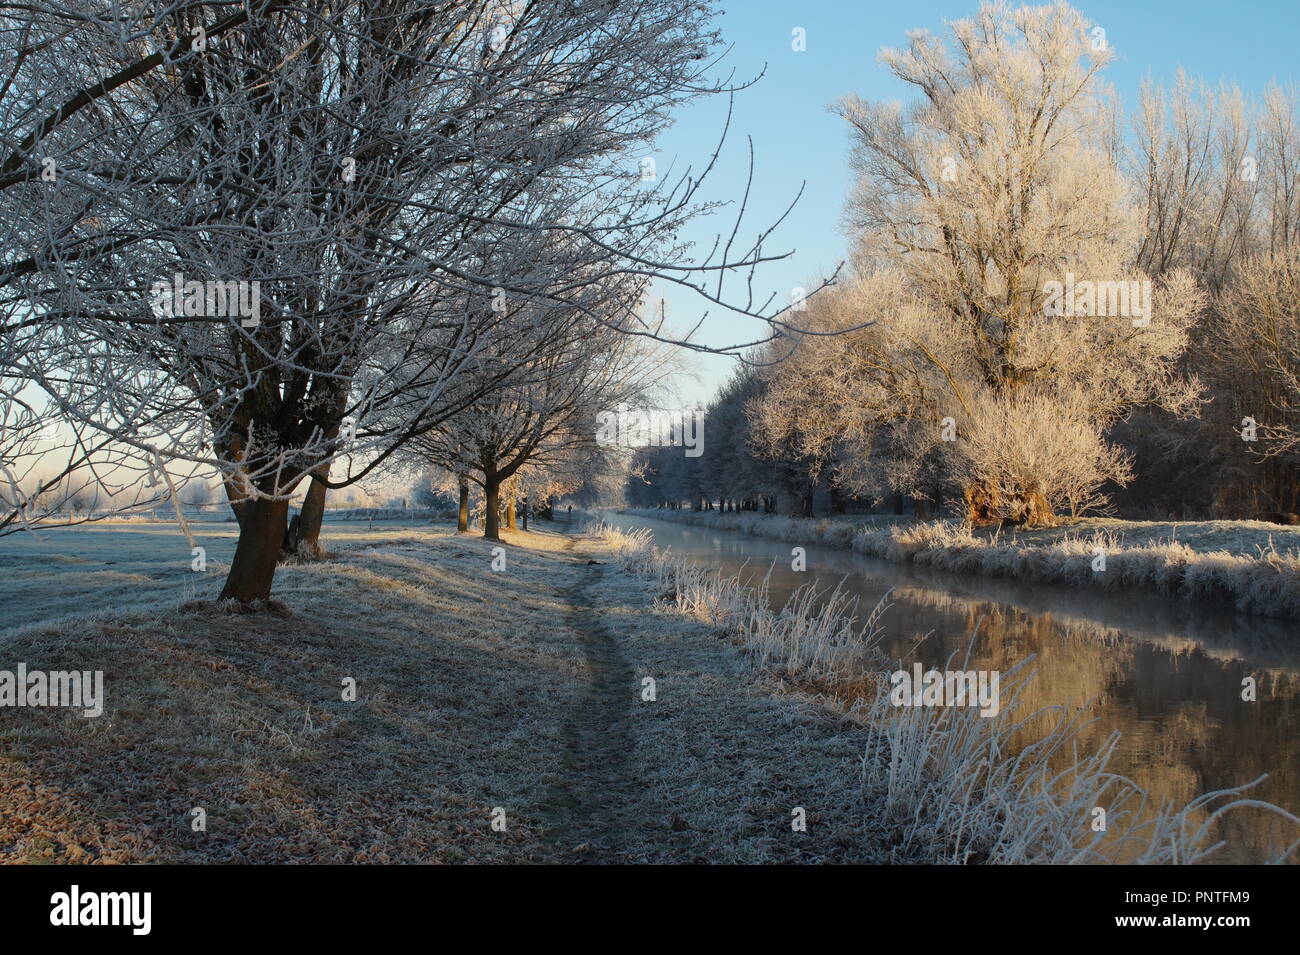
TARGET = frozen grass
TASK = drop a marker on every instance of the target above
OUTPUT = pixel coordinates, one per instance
(56, 576)
(712, 769)
(464, 682)
(476, 689)
(1251, 565)
(945, 785)
(389, 513)
(221, 513)
(955, 789)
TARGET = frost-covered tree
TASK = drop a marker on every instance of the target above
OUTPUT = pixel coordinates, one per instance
(737, 466)
(62, 66)
(334, 172)
(528, 432)
(1010, 324)
(733, 472)
(1219, 177)
(1256, 340)
(1198, 174)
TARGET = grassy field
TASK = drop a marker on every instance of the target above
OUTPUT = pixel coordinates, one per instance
(476, 690)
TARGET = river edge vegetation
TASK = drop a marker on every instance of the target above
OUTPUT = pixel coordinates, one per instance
(540, 715)
(1253, 566)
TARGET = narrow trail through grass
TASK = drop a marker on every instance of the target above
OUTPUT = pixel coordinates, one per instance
(585, 809)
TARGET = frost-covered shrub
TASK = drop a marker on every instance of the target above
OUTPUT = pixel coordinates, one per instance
(907, 542)
(836, 533)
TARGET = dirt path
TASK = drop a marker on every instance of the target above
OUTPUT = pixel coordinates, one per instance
(586, 812)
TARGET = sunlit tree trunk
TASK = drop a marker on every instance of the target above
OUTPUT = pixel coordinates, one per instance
(462, 515)
(985, 505)
(491, 506)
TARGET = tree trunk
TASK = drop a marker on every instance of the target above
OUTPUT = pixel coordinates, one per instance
(1034, 510)
(524, 513)
(985, 505)
(292, 536)
(261, 534)
(312, 515)
(491, 508)
(981, 504)
(510, 514)
(462, 516)
(236, 497)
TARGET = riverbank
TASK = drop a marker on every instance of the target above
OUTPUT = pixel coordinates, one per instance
(1251, 565)
(948, 784)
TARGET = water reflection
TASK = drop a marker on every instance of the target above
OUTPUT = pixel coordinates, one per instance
(1165, 674)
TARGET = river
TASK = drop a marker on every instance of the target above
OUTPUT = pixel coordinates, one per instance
(1166, 674)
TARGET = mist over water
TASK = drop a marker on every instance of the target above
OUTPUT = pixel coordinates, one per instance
(1166, 674)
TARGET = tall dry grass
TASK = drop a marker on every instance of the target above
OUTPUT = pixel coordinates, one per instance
(1267, 583)
(953, 788)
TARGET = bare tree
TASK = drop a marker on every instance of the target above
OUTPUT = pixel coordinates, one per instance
(59, 65)
(333, 173)
(1257, 346)
(528, 432)
(1220, 178)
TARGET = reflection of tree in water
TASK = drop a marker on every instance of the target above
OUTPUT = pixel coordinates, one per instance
(1184, 727)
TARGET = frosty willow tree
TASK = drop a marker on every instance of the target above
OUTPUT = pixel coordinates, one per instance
(259, 246)
(998, 262)
(536, 427)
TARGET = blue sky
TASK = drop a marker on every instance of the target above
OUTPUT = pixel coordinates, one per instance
(798, 142)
